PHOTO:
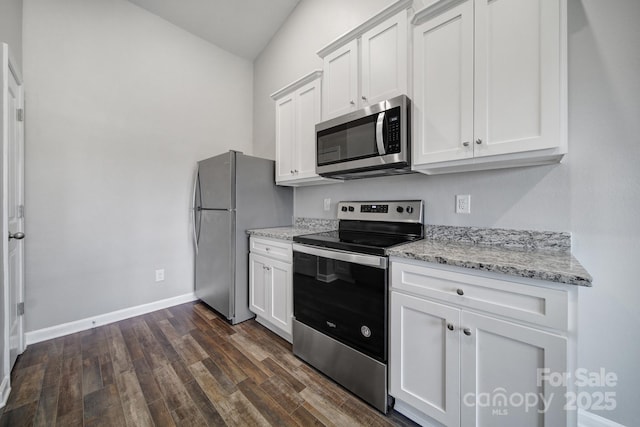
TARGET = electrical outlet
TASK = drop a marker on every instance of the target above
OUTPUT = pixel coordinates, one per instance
(463, 203)
(327, 204)
(160, 275)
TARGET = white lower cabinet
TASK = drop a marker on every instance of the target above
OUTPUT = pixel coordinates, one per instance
(270, 285)
(462, 367)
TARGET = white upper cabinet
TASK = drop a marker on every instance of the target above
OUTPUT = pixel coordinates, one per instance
(489, 84)
(368, 64)
(384, 60)
(298, 109)
(340, 93)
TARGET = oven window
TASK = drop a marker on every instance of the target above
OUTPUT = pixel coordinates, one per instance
(349, 141)
(346, 301)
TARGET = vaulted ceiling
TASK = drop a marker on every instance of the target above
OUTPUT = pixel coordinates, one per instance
(242, 27)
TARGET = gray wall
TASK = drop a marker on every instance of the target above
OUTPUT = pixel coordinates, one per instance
(121, 104)
(10, 33)
(11, 27)
(594, 193)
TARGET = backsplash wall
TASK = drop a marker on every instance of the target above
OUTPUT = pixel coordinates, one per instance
(593, 194)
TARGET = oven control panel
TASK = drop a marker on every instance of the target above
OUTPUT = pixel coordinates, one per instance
(393, 211)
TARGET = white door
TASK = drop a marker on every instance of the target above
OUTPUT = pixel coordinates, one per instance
(503, 361)
(384, 60)
(340, 86)
(307, 115)
(258, 285)
(425, 357)
(285, 137)
(12, 206)
(517, 75)
(280, 294)
(443, 87)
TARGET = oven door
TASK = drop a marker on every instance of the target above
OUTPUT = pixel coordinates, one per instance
(342, 295)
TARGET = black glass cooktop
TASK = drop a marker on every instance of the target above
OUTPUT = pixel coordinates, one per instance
(355, 241)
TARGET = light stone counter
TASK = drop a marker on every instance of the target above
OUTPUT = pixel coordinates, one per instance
(301, 226)
(532, 254)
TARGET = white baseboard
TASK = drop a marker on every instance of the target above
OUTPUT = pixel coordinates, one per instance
(5, 388)
(104, 319)
(589, 419)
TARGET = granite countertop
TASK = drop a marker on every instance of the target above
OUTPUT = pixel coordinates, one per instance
(537, 255)
(301, 226)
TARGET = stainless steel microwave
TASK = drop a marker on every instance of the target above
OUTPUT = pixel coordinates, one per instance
(370, 142)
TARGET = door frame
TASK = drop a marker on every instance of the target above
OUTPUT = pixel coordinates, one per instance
(8, 66)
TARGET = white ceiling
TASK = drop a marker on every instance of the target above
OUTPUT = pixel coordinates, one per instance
(242, 27)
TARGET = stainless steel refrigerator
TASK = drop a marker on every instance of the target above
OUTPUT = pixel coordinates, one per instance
(232, 193)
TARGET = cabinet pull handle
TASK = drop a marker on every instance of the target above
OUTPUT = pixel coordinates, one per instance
(352, 102)
(478, 141)
(460, 292)
(466, 143)
(467, 331)
(295, 170)
(364, 98)
(450, 326)
(291, 171)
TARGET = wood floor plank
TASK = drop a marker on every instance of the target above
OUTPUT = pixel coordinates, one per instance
(26, 386)
(226, 364)
(238, 411)
(118, 350)
(134, 405)
(206, 407)
(266, 405)
(160, 414)
(147, 381)
(283, 393)
(153, 353)
(131, 340)
(209, 383)
(278, 370)
(91, 375)
(97, 403)
(188, 416)
(19, 416)
(70, 394)
(171, 388)
(305, 418)
(47, 404)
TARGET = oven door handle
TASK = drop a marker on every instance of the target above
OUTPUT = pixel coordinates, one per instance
(369, 260)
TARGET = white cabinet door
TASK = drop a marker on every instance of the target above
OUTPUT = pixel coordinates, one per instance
(258, 284)
(517, 75)
(384, 60)
(425, 357)
(280, 295)
(501, 358)
(308, 113)
(443, 86)
(285, 136)
(340, 81)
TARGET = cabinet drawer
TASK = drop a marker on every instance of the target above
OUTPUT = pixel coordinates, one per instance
(276, 249)
(527, 303)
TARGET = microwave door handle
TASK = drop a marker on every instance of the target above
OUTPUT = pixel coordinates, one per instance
(380, 135)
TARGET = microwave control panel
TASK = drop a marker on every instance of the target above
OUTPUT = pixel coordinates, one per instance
(393, 131)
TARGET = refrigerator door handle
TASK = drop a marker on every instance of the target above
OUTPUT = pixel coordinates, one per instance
(195, 208)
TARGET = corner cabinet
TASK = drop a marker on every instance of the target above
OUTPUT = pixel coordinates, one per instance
(270, 284)
(298, 109)
(465, 347)
(490, 84)
(368, 64)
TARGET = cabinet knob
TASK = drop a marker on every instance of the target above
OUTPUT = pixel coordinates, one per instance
(267, 249)
(291, 171)
(352, 102)
(295, 171)
(467, 331)
(466, 143)
(460, 292)
(450, 326)
(364, 98)
(478, 141)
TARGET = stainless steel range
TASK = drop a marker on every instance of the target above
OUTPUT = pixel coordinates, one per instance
(340, 293)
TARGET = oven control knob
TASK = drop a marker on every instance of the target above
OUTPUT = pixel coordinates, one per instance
(366, 332)
(351, 209)
(409, 209)
(344, 209)
(399, 209)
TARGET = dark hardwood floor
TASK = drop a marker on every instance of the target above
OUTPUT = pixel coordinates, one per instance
(177, 366)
